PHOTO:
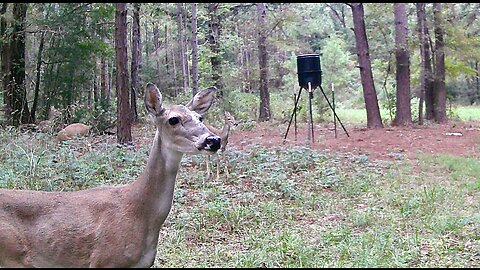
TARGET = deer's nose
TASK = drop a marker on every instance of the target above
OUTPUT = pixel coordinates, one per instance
(213, 142)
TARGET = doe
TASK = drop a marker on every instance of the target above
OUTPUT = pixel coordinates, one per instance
(107, 226)
(224, 134)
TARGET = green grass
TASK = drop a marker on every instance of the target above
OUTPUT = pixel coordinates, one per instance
(303, 208)
(282, 207)
(468, 113)
(354, 116)
(359, 116)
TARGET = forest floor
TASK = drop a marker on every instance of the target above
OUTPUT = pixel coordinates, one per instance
(455, 137)
(379, 198)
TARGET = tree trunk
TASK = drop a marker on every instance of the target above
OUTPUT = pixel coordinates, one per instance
(213, 41)
(147, 39)
(194, 50)
(124, 134)
(187, 55)
(247, 85)
(5, 66)
(16, 88)
(37, 81)
(174, 66)
(374, 119)
(104, 80)
(181, 39)
(140, 58)
(167, 48)
(135, 62)
(440, 100)
(96, 94)
(429, 93)
(263, 65)
(49, 85)
(90, 93)
(420, 7)
(403, 114)
(156, 47)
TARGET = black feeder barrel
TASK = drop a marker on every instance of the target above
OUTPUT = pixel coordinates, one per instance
(308, 70)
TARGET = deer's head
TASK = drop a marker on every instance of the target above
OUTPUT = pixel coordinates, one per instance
(230, 119)
(180, 127)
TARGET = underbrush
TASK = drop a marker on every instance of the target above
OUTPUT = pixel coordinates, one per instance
(280, 207)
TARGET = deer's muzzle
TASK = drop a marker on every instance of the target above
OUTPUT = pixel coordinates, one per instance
(212, 143)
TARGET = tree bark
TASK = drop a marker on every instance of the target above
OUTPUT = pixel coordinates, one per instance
(147, 39)
(37, 80)
(96, 94)
(374, 119)
(429, 94)
(124, 134)
(247, 84)
(213, 41)
(403, 114)
(104, 80)
(440, 99)
(420, 7)
(5, 66)
(181, 39)
(426, 77)
(135, 62)
(264, 114)
(50, 85)
(156, 47)
(167, 48)
(17, 92)
(194, 50)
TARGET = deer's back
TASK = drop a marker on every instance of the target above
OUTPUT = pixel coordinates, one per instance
(57, 229)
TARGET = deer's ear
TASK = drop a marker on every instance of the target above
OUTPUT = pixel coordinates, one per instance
(153, 99)
(202, 101)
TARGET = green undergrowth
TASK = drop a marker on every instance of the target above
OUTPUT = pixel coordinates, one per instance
(281, 207)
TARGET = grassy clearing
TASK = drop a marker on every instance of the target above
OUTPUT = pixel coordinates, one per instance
(282, 207)
(468, 113)
(359, 116)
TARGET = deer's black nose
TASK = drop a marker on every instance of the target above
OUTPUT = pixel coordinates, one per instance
(213, 142)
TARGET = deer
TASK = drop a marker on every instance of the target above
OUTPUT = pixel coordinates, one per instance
(72, 131)
(112, 226)
(223, 134)
(47, 125)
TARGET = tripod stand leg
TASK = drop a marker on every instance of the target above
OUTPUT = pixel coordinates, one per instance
(334, 113)
(294, 111)
(310, 120)
(295, 117)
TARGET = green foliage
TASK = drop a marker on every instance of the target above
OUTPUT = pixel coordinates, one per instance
(99, 118)
(467, 113)
(339, 69)
(78, 35)
(281, 207)
(294, 204)
(245, 105)
(34, 161)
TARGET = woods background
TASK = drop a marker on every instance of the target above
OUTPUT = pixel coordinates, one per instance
(91, 61)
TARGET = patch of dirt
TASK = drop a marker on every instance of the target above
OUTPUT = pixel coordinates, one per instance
(457, 138)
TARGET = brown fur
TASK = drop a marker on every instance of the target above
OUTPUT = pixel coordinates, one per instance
(72, 131)
(223, 134)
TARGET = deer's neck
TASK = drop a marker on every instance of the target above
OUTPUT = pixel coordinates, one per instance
(155, 186)
(225, 130)
(223, 133)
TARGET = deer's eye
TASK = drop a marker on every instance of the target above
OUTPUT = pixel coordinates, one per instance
(200, 118)
(173, 121)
